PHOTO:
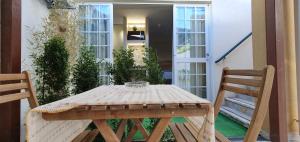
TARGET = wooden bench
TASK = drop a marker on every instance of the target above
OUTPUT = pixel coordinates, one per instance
(18, 86)
(254, 83)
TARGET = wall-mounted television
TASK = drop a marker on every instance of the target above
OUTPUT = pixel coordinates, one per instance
(136, 35)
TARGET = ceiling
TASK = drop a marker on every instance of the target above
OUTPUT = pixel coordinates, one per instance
(138, 12)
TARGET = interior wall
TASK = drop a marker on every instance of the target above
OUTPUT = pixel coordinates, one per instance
(33, 14)
(161, 36)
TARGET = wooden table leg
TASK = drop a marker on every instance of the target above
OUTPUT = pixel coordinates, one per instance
(131, 134)
(121, 128)
(159, 130)
(105, 130)
(138, 125)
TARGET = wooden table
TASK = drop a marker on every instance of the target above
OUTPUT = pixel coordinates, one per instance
(120, 102)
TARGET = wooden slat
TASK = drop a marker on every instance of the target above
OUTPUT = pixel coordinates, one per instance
(91, 136)
(241, 81)
(131, 134)
(244, 72)
(121, 128)
(220, 137)
(99, 107)
(192, 129)
(82, 108)
(81, 136)
(171, 105)
(178, 136)
(13, 86)
(140, 127)
(135, 106)
(33, 102)
(189, 105)
(124, 114)
(11, 77)
(159, 130)
(252, 93)
(107, 133)
(117, 107)
(154, 106)
(13, 97)
(186, 133)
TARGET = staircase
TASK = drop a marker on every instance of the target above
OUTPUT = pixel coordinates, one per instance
(240, 108)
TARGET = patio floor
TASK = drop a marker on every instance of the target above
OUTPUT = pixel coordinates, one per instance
(224, 125)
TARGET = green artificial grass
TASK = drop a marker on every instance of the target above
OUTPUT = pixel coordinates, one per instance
(139, 136)
(229, 128)
(226, 126)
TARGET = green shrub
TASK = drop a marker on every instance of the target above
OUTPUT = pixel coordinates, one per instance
(85, 72)
(52, 71)
(121, 69)
(154, 71)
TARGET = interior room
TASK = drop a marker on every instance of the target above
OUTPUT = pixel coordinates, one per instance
(145, 25)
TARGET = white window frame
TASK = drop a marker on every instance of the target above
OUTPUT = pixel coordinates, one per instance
(111, 24)
(207, 59)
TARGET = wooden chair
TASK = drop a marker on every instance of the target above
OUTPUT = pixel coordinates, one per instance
(18, 86)
(254, 83)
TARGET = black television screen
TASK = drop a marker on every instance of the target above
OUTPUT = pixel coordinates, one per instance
(136, 35)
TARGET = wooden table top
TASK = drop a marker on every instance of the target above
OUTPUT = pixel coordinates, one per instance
(120, 97)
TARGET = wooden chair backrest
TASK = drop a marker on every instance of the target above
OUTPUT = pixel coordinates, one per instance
(16, 87)
(254, 83)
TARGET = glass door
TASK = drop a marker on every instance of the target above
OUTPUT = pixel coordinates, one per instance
(96, 29)
(190, 48)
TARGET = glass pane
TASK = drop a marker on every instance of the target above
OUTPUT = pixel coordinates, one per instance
(199, 26)
(180, 13)
(201, 80)
(104, 39)
(181, 51)
(193, 81)
(99, 25)
(188, 26)
(95, 11)
(181, 75)
(200, 39)
(192, 53)
(190, 13)
(194, 91)
(104, 11)
(181, 39)
(190, 39)
(201, 68)
(201, 92)
(200, 52)
(193, 68)
(200, 13)
(180, 26)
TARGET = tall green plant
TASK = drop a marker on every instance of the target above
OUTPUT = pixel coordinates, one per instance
(154, 71)
(123, 66)
(85, 72)
(52, 71)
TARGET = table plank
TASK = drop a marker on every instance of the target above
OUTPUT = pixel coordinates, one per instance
(124, 114)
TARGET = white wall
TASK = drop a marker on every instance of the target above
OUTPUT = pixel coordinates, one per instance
(33, 13)
(231, 21)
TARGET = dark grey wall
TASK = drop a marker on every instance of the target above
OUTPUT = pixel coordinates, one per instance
(161, 35)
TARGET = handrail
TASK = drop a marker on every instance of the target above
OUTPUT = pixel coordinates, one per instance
(233, 48)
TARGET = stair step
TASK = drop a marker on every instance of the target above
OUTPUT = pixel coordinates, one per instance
(236, 115)
(242, 102)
